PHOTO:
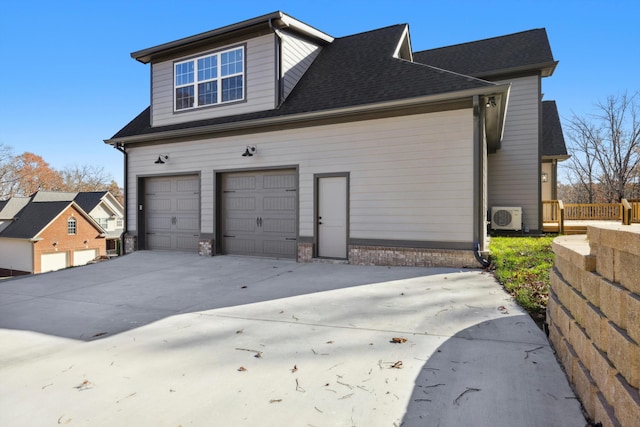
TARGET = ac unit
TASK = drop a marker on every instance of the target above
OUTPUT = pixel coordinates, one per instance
(506, 218)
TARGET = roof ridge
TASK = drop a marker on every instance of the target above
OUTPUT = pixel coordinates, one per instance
(482, 40)
(371, 31)
(445, 71)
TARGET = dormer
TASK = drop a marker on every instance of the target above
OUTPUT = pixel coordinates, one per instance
(241, 68)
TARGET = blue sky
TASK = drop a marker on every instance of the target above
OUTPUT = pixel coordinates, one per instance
(67, 81)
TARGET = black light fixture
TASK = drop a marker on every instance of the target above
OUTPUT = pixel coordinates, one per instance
(160, 160)
(491, 102)
(250, 150)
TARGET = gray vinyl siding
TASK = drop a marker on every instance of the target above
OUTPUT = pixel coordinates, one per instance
(297, 56)
(514, 168)
(260, 87)
(411, 177)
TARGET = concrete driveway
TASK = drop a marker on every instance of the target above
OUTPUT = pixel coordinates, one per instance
(165, 339)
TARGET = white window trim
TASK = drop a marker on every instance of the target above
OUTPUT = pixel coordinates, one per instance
(218, 79)
(75, 226)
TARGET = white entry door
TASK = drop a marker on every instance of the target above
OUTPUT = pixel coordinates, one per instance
(332, 217)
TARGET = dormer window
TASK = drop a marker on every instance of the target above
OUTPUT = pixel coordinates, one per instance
(215, 78)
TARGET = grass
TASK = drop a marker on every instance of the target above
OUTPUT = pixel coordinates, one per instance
(522, 266)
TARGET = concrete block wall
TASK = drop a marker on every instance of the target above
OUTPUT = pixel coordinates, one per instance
(594, 320)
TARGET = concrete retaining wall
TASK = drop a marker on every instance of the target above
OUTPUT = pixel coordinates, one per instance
(594, 320)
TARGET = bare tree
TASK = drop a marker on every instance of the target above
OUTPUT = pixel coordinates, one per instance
(605, 149)
(582, 163)
(7, 175)
(85, 178)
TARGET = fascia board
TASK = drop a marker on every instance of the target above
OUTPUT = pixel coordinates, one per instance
(303, 117)
(280, 19)
(546, 68)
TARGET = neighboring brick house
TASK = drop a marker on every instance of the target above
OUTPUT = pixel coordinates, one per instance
(269, 137)
(47, 232)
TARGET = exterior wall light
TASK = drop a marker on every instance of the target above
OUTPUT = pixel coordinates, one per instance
(162, 158)
(250, 151)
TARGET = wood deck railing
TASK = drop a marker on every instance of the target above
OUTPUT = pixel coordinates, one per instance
(593, 212)
(555, 213)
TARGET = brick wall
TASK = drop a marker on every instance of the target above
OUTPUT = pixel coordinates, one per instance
(594, 320)
(393, 256)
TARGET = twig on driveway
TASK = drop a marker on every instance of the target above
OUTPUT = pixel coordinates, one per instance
(258, 354)
(457, 399)
(529, 351)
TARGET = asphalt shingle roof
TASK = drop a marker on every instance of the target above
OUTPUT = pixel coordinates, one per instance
(32, 219)
(553, 144)
(493, 55)
(352, 71)
(88, 200)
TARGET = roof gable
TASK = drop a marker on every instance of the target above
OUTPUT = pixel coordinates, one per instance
(33, 218)
(527, 50)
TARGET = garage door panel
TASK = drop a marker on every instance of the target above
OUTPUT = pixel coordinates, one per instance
(159, 241)
(279, 203)
(188, 185)
(159, 205)
(241, 246)
(241, 203)
(187, 205)
(280, 226)
(159, 223)
(279, 181)
(278, 247)
(187, 224)
(235, 183)
(242, 225)
(159, 185)
(186, 242)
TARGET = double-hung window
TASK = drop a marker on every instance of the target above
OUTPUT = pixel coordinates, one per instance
(71, 226)
(210, 79)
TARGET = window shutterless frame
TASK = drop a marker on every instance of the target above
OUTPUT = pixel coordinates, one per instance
(71, 226)
(210, 79)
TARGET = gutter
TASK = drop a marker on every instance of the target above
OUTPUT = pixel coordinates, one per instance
(120, 147)
(498, 89)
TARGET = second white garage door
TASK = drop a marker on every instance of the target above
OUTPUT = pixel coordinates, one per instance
(173, 213)
(259, 213)
(82, 257)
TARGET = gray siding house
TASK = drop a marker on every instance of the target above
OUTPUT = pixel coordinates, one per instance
(271, 138)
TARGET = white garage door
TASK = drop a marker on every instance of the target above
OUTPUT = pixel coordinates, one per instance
(53, 262)
(173, 213)
(84, 256)
(259, 213)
